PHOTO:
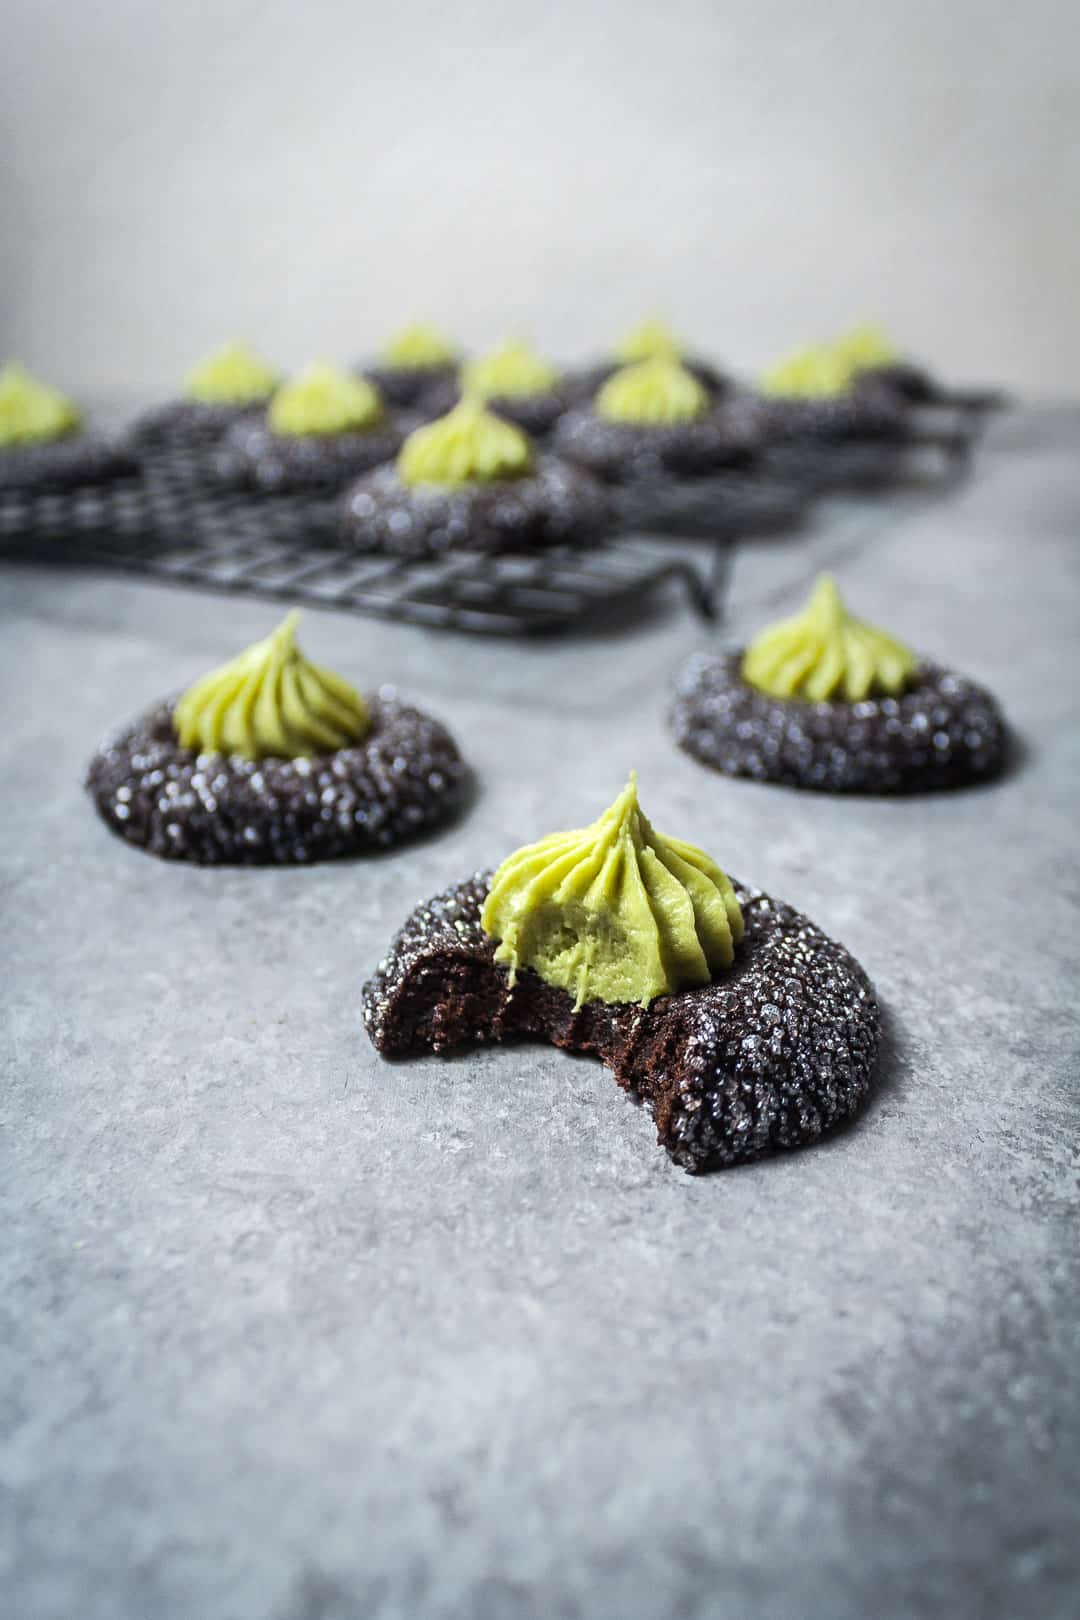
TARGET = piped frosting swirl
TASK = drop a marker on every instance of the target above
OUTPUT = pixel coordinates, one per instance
(271, 701)
(652, 391)
(469, 445)
(30, 411)
(417, 347)
(614, 912)
(513, 371)
(325, 401)
(823, 654)
(864, 348)
(232, 375)
(819, 372)
(652, 340)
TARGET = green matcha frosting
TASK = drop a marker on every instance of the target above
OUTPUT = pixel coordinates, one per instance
(813, 373)
(865, 347)
(469, 445)
(652, 340)
(823, 654)
(30, 411)
(615, 912)
(232, 375)
(271, 701)
(323, 400)
(652, 391)
(513, 371)
(418, 346)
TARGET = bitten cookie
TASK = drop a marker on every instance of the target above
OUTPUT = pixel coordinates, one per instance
(742, 1026)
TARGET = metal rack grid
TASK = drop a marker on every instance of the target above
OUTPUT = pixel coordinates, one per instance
(178, 521)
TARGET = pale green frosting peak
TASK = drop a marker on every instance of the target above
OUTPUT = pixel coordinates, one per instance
(271, 701)
(469, 445)
(509, 372)
(30, 411)
(232, 375)
(614, 912)
(865, 347)
(827, 370)
(652, 340)
(417, 347)
(811, 373)
(658, 391)
(823, 654)
(323, 400)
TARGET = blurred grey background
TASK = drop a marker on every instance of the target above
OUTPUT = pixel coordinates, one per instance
(763, 171)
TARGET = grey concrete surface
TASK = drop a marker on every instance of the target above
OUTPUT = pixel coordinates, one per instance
(291, 1334)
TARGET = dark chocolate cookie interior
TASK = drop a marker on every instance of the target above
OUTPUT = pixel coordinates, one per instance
(944, 732)
(777, 1051)
(404, 777)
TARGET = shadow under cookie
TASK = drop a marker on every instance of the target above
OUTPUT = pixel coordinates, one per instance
(773, 1053)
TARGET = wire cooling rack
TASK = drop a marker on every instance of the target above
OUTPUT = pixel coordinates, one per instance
(726, 506)
(178, 521)
(935, 450)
